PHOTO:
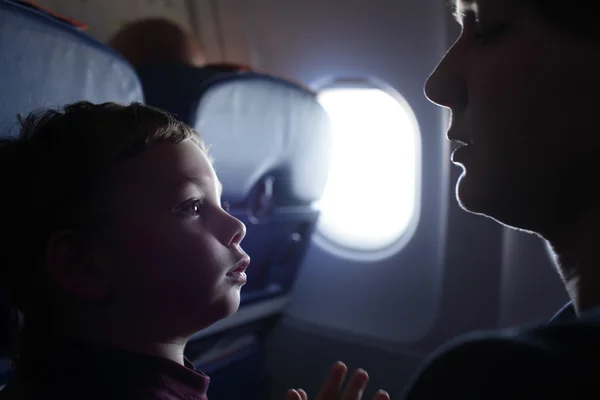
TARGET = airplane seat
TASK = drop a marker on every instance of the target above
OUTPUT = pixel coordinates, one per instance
(48, 62)
(271, 144)
(45, 61)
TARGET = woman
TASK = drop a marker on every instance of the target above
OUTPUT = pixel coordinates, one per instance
(522, 83)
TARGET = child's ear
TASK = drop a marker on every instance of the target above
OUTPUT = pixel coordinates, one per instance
(71, 265)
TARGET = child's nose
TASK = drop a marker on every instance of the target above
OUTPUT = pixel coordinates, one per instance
(236, 231)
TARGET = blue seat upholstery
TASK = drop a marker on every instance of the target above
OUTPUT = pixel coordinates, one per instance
(46, 62)
(271, 142)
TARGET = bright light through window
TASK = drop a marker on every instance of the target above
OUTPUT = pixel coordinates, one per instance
(369, 200)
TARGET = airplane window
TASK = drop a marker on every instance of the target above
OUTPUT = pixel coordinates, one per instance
(370, 196)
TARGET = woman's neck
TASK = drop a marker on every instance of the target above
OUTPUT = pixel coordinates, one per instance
(577, 251)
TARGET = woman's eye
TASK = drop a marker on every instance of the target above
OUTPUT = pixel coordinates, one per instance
(483, 31)
(485, 35)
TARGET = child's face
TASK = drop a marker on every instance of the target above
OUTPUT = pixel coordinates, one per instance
(174, 246)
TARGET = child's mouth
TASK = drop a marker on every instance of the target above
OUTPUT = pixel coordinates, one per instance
(240, 266)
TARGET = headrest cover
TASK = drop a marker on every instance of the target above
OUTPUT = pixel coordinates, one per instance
(258, 126)
(45, 62)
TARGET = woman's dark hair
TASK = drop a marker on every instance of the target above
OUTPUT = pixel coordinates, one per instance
(54, 174)
(574, 18)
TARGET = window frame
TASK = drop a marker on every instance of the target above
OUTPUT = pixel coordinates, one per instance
(333, 246)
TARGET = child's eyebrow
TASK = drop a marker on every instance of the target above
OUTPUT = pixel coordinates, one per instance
(199, 182)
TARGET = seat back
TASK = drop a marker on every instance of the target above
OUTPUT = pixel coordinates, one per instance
(271, 142)
(47, 62)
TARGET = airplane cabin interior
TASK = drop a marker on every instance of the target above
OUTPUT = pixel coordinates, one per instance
(329, 153)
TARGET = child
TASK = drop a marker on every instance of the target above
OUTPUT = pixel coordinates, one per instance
(117, 250)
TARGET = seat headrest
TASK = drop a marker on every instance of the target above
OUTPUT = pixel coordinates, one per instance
(257, 126)
(47, 62)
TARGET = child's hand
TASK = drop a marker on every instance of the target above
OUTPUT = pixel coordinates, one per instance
(333, 384)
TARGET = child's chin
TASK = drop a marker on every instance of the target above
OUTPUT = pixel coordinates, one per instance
(225, 307)
(233, 307)
(231, 303)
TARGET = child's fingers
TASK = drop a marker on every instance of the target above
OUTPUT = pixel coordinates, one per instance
(333, 383)
(303, 394)
(293, 395)
(381, 395)
(356, 386)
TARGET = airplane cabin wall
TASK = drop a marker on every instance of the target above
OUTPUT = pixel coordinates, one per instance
(106, 17)
(224, 36)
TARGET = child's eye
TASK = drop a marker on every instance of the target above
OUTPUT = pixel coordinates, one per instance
(192, 207)
(226, 206)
